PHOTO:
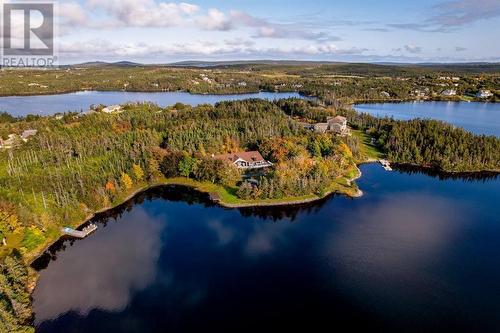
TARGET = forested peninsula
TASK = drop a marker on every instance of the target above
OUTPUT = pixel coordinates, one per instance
(59, 170)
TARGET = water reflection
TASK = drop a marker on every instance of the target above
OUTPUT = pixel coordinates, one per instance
(396, 239)
(404, 257)
(483, 177)
(289, 212)
(103, 271)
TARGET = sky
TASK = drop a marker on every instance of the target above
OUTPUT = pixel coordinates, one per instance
(155, 31)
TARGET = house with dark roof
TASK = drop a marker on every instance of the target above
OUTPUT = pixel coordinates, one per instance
(245, 160)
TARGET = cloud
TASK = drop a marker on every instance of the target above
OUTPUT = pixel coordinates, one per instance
(461, 12)
(408, 26)
(413, 48)
(143, 13)
(215, 20)
(453, 14)
(236, 47)
(152, 14)
(266, 29)
(72, 13)
(239, 42)
(377, 29)
(460, 48)
(83, 270)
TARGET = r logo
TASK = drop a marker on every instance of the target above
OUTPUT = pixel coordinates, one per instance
(28, 29)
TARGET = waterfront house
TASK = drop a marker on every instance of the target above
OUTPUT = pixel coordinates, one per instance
(337, 125)
(449, 92)
(484, 94)
(112, 109)
(245, 160)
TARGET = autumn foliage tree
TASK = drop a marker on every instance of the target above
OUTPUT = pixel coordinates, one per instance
(138, 172)
(126, 181)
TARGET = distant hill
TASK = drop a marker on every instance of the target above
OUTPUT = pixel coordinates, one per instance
(104, 64)
(380, 68)
(248, 62)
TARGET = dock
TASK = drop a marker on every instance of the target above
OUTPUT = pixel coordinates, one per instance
(386, 165)
(79, 233)
(214, 196)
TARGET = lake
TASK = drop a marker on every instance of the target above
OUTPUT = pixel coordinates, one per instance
(479, 118)
(417, 252)
(80, 101)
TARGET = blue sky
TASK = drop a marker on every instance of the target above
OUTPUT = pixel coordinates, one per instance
(154, 31)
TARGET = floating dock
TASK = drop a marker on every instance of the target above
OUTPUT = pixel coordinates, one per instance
(79, 233)
(386, 165)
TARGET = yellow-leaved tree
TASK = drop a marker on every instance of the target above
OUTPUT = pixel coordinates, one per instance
(126, 181)
(138, 172)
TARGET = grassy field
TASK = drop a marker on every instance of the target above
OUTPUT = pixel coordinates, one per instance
(369, 150)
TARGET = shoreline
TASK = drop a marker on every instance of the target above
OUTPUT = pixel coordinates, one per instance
(196, 186)
(259, 203)
(353, 102)
(433, 169)
(74, 91)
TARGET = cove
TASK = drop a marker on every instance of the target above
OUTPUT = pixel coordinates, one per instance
(418, 252)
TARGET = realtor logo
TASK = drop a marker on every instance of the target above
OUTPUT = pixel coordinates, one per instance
(28, 34)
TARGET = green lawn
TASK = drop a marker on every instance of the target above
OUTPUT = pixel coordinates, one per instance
(369, 150)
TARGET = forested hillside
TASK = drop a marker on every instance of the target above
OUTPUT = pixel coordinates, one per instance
(331, 82)
(82, 163)
(79, 164)
(431, 143)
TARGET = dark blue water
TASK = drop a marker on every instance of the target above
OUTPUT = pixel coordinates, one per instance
(479, 118)
(80, 101)
(415, 253)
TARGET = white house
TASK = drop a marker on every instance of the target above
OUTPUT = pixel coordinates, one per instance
(337, 125)
(112, 109)
(484, 94)
(449, 92)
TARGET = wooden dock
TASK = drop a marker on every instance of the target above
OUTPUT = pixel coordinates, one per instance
(214, 196)
(79, 233)
(386, 165)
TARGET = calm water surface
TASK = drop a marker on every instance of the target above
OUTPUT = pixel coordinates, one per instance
(479, 118)
(80, 101)
(415, 253)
